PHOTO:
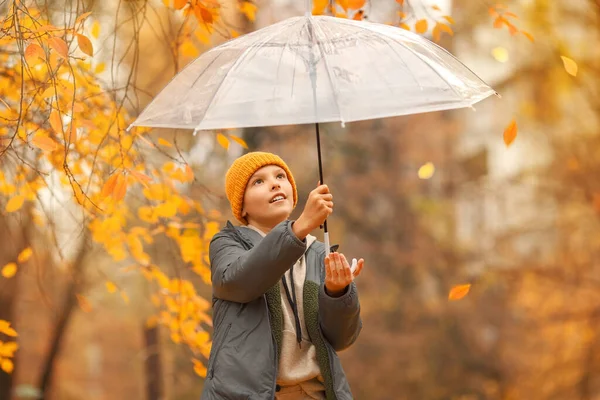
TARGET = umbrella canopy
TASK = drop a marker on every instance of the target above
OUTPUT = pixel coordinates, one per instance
(314, 69)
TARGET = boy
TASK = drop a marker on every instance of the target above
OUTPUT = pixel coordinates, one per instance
(281, 308)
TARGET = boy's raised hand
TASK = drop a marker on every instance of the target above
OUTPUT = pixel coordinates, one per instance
(318, 207)
(338, 273)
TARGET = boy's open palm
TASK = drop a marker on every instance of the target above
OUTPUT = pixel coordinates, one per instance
(338, 273)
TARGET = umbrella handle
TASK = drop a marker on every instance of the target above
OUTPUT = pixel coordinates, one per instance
(327, 245)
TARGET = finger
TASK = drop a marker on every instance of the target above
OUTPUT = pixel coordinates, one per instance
(322, 189)
(346, 269)
(328, 272)
(359, 267)
(335, 267)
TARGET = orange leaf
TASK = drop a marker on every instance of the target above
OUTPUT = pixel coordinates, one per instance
(44, 142)
(436, 7)
(49, 92)
(141, 178)
(510, 14)
(15, 203)
(498, 22)
(358, 16)
(84, 303)
(82, 17)
(120, 188)
(458, 292)
(239, 141)
(249, 10)
(570, 65)
(60, 46)
(179, 4)
(56, 122)
(436, 32)
(72, 132)
(6, 329)
(223, 141)
(7, 366)
(401, 2)
(9, 270)
(421, 26)
(355, 4)
(34, 54)
(404, 26)
(445, 28)
(111, 287)
(109, 186)
(189, 173)
(203, 15)
(78, 107)
(510, 133)
(528, 36)
(319, 6)
(512, 29)
(85, 44)
(492, 11)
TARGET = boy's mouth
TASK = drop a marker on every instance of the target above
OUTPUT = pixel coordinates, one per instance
(276, 198)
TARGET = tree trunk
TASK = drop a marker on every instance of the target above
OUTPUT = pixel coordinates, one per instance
(154, 385)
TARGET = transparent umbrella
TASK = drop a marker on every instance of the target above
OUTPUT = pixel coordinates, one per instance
(314, 69)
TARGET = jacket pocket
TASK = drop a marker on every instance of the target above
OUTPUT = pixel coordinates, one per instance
(217, 350)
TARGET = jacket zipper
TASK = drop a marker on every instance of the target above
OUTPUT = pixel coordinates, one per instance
(212, 368)
(274, 346)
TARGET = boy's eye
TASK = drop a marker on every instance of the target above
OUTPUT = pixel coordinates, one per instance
(281, 176)
(258, 181)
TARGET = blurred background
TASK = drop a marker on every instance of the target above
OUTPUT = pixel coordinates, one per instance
(105, 292)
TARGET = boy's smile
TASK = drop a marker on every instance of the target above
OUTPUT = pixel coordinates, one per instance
(268, 199)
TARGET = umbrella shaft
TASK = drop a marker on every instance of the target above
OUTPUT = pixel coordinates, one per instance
(320, 165)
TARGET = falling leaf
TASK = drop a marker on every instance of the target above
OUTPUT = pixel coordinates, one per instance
(111, 287)
(426, 171)
(34, 54)
(100, 68)
(570, 65)
(15, 203)
(44, 142)
(421, 26)
(510, 14)
(125, 297)
(164, 142)
(7, 365)
(56, 122)
(60, 46)
(140, 177)
(25, 255)
(239, 141)
(436, 7)
(500, 54)
(189, 173)
(199, 369)
(404, 26)
(458, 292)
(355, 4)
(9, 270)
(249, 10)
(8, 349)
(510, 133)
(85, 44)
(95, 30)
(401, 2)
(109, 186)
(84, 303)
(6, 329)
(499, 21)
(223, 141)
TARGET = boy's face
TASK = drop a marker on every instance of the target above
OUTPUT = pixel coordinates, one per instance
(269, 197)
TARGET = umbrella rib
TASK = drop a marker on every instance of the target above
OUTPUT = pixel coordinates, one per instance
(335, 97)
(245, 53)
(417, 55)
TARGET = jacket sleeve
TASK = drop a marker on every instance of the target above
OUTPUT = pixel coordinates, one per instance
(241, 275)
(340, 317)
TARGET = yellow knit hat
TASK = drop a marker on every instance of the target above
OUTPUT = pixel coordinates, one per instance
(241, 171)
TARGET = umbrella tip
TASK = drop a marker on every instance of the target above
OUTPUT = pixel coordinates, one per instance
(196, 132)
(343, 124)
(498, 95)
(129, 128)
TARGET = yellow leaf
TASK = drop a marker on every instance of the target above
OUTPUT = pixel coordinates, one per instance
(7, 366)
(84, 303)
(449, 19)
(34, 54)
(9, 270)
(445, 28)
(528, 36)
(249, 10)
(25, 255)
(8, 349)
(111, 287)
(421, 26)
(167, 3)
(95, 29)
(164, 142)
(570, 65)
(426, 171)
(49, 92)
(44, 142)
(239, 140)
(60, 46)
(109, 186)
(510, 133)
(223, 141)
(6, 329)
(56, 122)
(436, 7)
(405, 26)
(85, 44)
(188, 49)
(458, 292)
(100, 68)
(14, 204)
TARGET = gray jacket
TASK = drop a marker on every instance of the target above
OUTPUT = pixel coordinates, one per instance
(248, 316)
